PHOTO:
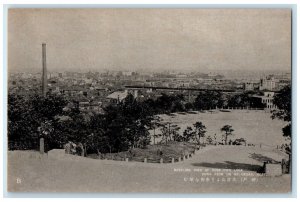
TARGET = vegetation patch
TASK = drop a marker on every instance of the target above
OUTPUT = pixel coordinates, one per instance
(153, 153)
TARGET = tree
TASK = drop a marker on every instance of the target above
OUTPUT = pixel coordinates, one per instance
(21, 133)
(228, 131)
(188, 134)
(155, 123)
(170, 131)
(283, 101)
(188, 106)
(96, 138)
(45, 130)
(284, 112)
(215, 139)
(164, 133)
(138, 118)
(287, 130)
(245, 99)
(27, 113)
(239, 100)
(76, 128)
(209, 140)
(127, 124)
(199, 131)
(208, 100)
(177, 103)
(164, 103)
(177, 106)
(174, 132)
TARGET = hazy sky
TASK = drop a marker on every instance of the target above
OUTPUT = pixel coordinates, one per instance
(158, 39)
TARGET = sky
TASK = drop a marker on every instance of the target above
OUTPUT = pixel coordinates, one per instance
(150, 39)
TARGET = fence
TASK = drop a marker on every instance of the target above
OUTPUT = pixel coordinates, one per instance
(147, 158)
(151, 159)
(240, 108)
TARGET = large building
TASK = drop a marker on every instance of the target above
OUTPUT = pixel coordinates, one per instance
(248, 86)
(117, 97)
(267, 99)
(268, 83)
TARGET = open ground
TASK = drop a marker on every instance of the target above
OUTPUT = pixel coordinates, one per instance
(256, 126)
(28, 171)
(33, 173)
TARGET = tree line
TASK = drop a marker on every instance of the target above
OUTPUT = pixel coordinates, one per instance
(120, 128)
(205, 100)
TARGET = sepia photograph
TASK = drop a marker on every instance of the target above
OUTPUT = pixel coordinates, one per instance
(149, 100)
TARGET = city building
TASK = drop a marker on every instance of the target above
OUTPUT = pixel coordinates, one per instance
(117, 97)
(267, 99)
(268, 83)
(248, 86)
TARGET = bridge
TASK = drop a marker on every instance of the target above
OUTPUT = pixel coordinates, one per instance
(177, 89)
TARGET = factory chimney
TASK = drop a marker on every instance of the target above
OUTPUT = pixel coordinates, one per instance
(44, 76)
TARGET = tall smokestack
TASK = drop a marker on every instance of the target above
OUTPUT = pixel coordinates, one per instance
(44, 77)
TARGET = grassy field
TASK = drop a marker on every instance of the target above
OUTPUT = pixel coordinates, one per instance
(255, 126)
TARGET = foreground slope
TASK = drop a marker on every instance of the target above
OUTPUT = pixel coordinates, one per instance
(28, 172)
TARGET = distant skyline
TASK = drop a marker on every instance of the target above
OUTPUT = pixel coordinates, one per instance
(150, 39)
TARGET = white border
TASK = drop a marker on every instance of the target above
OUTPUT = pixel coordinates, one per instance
(139, 2)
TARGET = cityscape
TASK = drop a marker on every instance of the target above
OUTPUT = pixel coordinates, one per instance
(94, 90)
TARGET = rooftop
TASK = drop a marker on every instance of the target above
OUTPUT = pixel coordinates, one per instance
(118, 95)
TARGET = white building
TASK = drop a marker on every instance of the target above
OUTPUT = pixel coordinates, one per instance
(267, 84)
(248, 86)
(267, 99)
(117, 97)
